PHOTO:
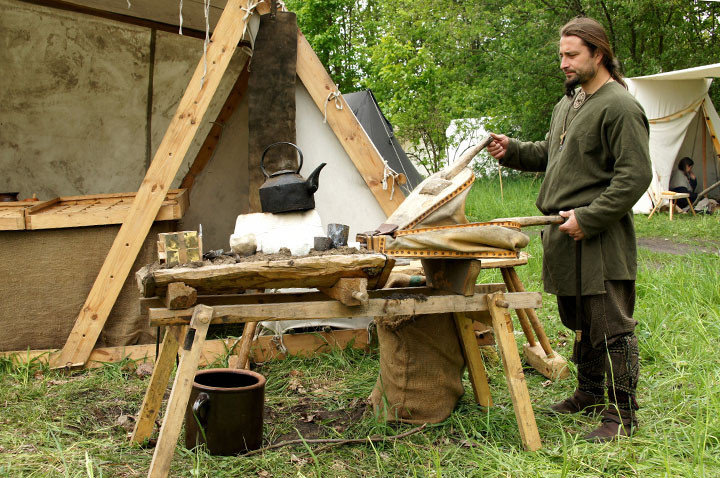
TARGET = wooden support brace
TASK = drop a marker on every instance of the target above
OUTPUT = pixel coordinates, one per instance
(531, 314)
(522, 316)
(348, 291)
(241, 360)
(502, 325)
(172, 422)
(158, 383)
(452, 275)
(473, 359)
(180, 296)
(152, 191)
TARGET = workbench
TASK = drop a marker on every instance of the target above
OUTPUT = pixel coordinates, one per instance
(451, 289)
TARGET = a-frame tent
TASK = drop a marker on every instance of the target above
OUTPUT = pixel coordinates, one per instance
(683, 122)
(351, 188)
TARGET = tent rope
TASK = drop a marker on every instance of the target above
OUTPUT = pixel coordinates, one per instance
(335, 95)
(679, 114)
(390, 135)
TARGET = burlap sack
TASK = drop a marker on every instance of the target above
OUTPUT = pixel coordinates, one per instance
(421, 367)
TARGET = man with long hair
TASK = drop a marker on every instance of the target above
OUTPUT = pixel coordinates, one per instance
(597, 165)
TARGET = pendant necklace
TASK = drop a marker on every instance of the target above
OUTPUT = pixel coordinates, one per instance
(580, 99)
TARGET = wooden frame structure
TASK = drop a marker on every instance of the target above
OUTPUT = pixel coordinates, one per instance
(187, 329)
(228, 33)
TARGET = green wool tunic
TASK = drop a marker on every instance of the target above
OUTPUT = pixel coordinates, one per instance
(601, 171)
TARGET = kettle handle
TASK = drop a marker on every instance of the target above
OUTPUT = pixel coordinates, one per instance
(262, 159)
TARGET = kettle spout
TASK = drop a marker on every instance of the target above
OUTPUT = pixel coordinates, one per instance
(313, 180)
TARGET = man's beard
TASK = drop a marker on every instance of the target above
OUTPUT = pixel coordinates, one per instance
(581, 77)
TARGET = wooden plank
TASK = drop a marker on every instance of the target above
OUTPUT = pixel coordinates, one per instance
(264, 348)
(473, 359)
(150, 407)
(502, 325)
(154, 187)
(274, 298)
(182, 386)
(99, 209)
(213, 137)
(331, 309)
(311, 271)
(344, 124)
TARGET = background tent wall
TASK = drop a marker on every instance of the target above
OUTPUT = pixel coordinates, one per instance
(83, 98)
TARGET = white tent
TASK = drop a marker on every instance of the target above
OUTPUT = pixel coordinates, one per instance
(683, 122)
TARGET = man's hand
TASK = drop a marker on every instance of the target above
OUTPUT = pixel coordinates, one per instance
(571, 226)
(499, 145)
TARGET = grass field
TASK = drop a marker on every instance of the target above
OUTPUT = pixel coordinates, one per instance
(67, 426)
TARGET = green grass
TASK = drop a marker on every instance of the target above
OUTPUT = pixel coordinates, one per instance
(65, 426)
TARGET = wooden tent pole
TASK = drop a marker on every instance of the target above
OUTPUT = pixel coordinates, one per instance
(154, 187)
(704, 145)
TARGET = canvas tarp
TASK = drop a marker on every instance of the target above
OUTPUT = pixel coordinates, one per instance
(675, 104)
(380, 131)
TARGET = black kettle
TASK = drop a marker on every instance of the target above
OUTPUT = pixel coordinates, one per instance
(286, 190)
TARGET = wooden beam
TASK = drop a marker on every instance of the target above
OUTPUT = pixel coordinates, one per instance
(344, 124)
(213, 138)
(160, 174)
(331, 309)
(264, 348)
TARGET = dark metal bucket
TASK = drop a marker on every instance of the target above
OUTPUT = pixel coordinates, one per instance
(228, 404)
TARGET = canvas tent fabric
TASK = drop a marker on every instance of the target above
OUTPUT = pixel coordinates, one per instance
(380, 131)
(51, 108)
(676, 104)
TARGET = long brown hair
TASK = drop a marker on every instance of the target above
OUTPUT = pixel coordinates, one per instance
(593, 35)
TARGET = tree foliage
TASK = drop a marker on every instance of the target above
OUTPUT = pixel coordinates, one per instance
(431, 62)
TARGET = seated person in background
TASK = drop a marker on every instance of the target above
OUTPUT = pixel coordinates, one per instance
(684, 181)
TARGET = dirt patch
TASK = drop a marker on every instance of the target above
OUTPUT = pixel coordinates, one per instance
(313, 422)
(660, 244)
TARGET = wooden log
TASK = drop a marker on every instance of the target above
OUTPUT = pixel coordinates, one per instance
(311, 271)
(348, 291)
(331, 309)
(180, 296)
(170, 154)
(554, 368)
(177, 403)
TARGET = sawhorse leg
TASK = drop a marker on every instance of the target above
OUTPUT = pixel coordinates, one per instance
(502, 326)
(473, 359)
(158, 383)
(541, 357)
(172, 422)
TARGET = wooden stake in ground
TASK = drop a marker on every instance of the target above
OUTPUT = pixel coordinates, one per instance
(502, 197)
(149, 198)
